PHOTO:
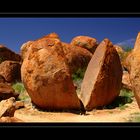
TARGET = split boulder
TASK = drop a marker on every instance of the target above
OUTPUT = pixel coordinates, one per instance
(103, 77)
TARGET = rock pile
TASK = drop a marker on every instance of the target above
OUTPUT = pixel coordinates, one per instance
(48, 64)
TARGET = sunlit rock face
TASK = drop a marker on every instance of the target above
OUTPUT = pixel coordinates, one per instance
(103, 77)
(46, 75)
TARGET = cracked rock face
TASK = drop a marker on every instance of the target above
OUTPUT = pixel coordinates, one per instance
(102, 80)
(46, 75)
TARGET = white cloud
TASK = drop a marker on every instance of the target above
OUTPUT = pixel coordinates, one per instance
(129, 43)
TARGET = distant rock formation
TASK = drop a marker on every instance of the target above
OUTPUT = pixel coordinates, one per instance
(7, 54)
(77, 57)
(10, 70)
(86, 42)
(103, 77)
(6, 91)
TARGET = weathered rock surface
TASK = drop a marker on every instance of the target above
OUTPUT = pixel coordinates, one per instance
(77, 57)
(103, 77)
(2, 79)
(7, 54)
(7, 107)
(10, 70)
(126, 84)
(19, 104)
(134, 69)
(46, 75)
(6, 91)
(86, 42)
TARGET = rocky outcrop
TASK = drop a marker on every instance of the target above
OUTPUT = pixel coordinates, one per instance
(86, 42)
(10, 70)
(46, 75)
(7, 54)
(6, 91)
(103, 77)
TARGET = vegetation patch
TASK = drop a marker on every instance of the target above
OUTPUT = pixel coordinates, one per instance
(19, 88)
(78, 78)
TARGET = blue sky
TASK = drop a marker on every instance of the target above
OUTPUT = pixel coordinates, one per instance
(16, 31)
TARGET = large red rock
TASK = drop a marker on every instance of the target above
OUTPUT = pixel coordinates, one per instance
(46, 76)
(86, 42)
(7, 54)
(133, 61)
(102, 80)
(77, 57)
(10, 70)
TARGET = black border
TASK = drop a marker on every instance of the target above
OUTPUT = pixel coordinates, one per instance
(67, 15)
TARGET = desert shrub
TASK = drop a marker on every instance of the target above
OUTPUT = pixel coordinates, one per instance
(123, 55)
(19, 88)
(78, 78)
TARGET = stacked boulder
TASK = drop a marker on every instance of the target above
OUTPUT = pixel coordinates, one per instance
(10, 64)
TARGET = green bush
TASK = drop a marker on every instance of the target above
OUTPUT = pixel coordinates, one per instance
(19, 88)
(78, 78)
